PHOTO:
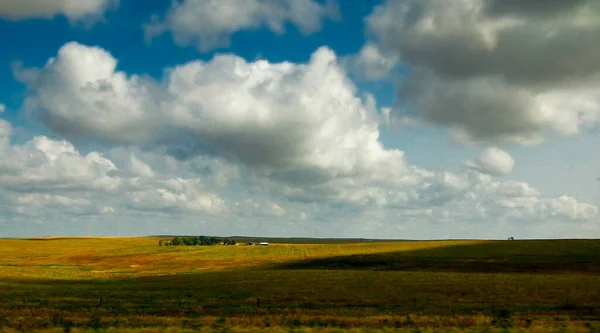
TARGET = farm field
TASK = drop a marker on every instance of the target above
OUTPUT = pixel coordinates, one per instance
(133, 285)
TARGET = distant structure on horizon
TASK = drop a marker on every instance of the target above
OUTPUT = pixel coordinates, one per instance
(264, 243)
(511, 238)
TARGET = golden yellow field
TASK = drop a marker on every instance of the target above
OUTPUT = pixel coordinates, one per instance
(133, 285)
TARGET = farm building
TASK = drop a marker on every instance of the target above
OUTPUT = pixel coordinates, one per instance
(264, 243)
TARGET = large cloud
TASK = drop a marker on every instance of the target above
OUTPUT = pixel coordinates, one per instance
(74, 10)
(278, 119)
(210, 24)
(81, 96)
(498, 71)
(263, 140)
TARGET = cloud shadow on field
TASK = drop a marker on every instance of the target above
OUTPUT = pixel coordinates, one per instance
(543, 256)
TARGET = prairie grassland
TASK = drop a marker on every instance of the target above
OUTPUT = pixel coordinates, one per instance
(133, 285)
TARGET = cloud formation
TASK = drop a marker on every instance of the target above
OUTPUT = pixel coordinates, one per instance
(210, 24)
(370, 63)
(493, 161)
(49, 179)
(47, 173)
(496, 71)
(73, 10)
(275, 118)
(232, 138)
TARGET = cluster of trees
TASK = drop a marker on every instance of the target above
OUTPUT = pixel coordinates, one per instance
(195, 241)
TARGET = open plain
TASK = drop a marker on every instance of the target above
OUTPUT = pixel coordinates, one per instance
(134, 285)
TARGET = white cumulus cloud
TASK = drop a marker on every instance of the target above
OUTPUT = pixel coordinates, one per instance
(48, 173)
(278, 119)
(209, 24)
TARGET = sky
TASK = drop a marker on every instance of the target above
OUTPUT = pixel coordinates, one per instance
(407, 119)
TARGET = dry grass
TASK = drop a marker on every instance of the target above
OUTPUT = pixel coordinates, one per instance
(131, 284)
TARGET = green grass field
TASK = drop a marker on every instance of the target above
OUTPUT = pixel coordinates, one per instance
(133, 285)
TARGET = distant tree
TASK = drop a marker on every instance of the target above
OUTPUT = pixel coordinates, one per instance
(199, 240)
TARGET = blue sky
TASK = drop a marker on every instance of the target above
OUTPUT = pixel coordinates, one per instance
(382, 119)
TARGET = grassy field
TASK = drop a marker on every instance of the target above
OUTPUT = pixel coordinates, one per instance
(133, 285)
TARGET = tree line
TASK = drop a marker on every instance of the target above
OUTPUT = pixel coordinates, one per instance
(197, 241)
